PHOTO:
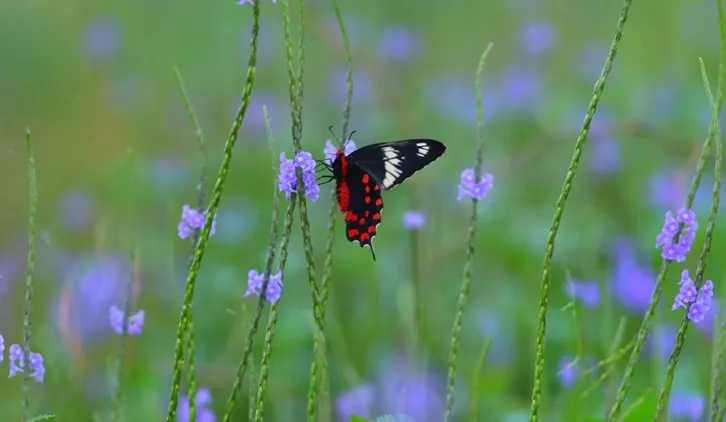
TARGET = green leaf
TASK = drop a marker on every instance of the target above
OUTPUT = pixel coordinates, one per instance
(42, 418)
(354, 418)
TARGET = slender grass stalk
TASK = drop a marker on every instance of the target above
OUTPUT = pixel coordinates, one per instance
(190, 352)
(476, 382)
(717, 378)
(560, 208)
(124, 333)
(272, 320)
(619, 333)
(614, 351)
(663, 272)
(469, 260)
(636, 404)
(32, 229)
(204, 237)
(252, 392)
(721, 410)
(269, 261)
(333, 212)
(665, 391)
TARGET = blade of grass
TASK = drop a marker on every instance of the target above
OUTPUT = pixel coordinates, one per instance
(204, 237)
(469, 260)
(32, 229)
(718, 363)
(665, 265)
(477, 381)
(124, 334)
(662, 409)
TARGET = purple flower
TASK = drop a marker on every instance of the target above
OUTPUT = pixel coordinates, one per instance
(399, 44)
(412, 390)
(661, 339)
(35, 363)
(686, 294)
(17, 360)
(414, 220)
(677, 251)
(687, 405)
(192, 220)
(356, 401)
(78, 210)
(605, 159)
(700, 307)
(330, 150)
(521, 87)
(287, 178)
(255, 281)
(202, 401)
(134, 324)
(103, 38)
(469, 187)
(568, 371)
(632, 282)
(586, 291)
(2, 348)
(537, 37)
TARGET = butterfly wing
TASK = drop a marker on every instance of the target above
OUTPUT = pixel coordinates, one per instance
(390, 163)
(363, 213)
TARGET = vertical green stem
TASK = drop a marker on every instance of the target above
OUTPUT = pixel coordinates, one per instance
(32, 228)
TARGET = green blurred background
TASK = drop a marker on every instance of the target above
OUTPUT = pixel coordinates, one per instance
(94, 80)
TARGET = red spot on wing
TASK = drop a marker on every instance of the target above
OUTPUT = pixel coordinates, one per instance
(365, 179)
(364, 237)
(379, 202)
(376, 187)
(368, 199)
(377, 216)
(343, 195)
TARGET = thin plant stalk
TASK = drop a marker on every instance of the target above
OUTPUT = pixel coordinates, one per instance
(469, 260)
(717, 378)
(477, 381)
(333, 212)
(201, 186)
(32, 229)
(662, 409)
(663, 272)
(205, 233)
(124, 334)
(269, 261)
(539, 362)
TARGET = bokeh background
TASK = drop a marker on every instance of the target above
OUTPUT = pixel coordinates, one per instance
(94, 80)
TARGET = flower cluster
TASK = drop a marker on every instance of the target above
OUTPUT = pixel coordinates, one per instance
(676, 251)
(287, 180)
(331, 149)
(414, 220)
(134, 323)
(698, 302)
(193, 220)
(470, 187)
(256, 280)
(17, 361)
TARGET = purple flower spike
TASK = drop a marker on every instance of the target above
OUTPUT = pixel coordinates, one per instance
(193, 220)
(698, 302)
(35, 363)
(2, 348)
(256, 280)
(331, 149)
(686, 405)
(17, 360)
(686, 294)
(588, 292)
(469, 187)
(687, 217)
(287, 178)
(676, 251)
(134, 324)
(414, 220)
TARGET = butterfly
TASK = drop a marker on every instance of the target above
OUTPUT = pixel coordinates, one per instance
(363, 174)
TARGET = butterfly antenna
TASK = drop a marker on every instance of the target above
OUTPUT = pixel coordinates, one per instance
(335, 136)
(372, 253)
(348, 139)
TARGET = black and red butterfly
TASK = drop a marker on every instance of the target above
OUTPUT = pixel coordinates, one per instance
(361, 176)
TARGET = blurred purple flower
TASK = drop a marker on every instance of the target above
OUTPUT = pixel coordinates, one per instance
(202, 401)
(453, 96)
(102, 38)
(468, 186)
(357, 401)
(255, 282)
(414, 220)
(364, 87)
(661, 339)
(413, 391)
(399, 44)
(591, 59)
(134, 324)
(605, 157)
(35, 363)
(255, 118)
(2, 348)
(331, 149)
(521, 88)
(287, 178)
(588, 292)
(677, 251)
(568, 371)
(192, 220)
(632, 283)
(537, 37)
(77, 209)
(706, 326)
(17, 360)
(667, 190)
(687, 405)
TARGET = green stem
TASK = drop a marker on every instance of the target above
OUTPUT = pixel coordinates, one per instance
(32, 228)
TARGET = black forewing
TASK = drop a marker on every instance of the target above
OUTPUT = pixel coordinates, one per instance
(364, 207)
(390, 163)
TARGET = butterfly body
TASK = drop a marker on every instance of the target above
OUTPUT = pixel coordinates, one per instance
(363, 174)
